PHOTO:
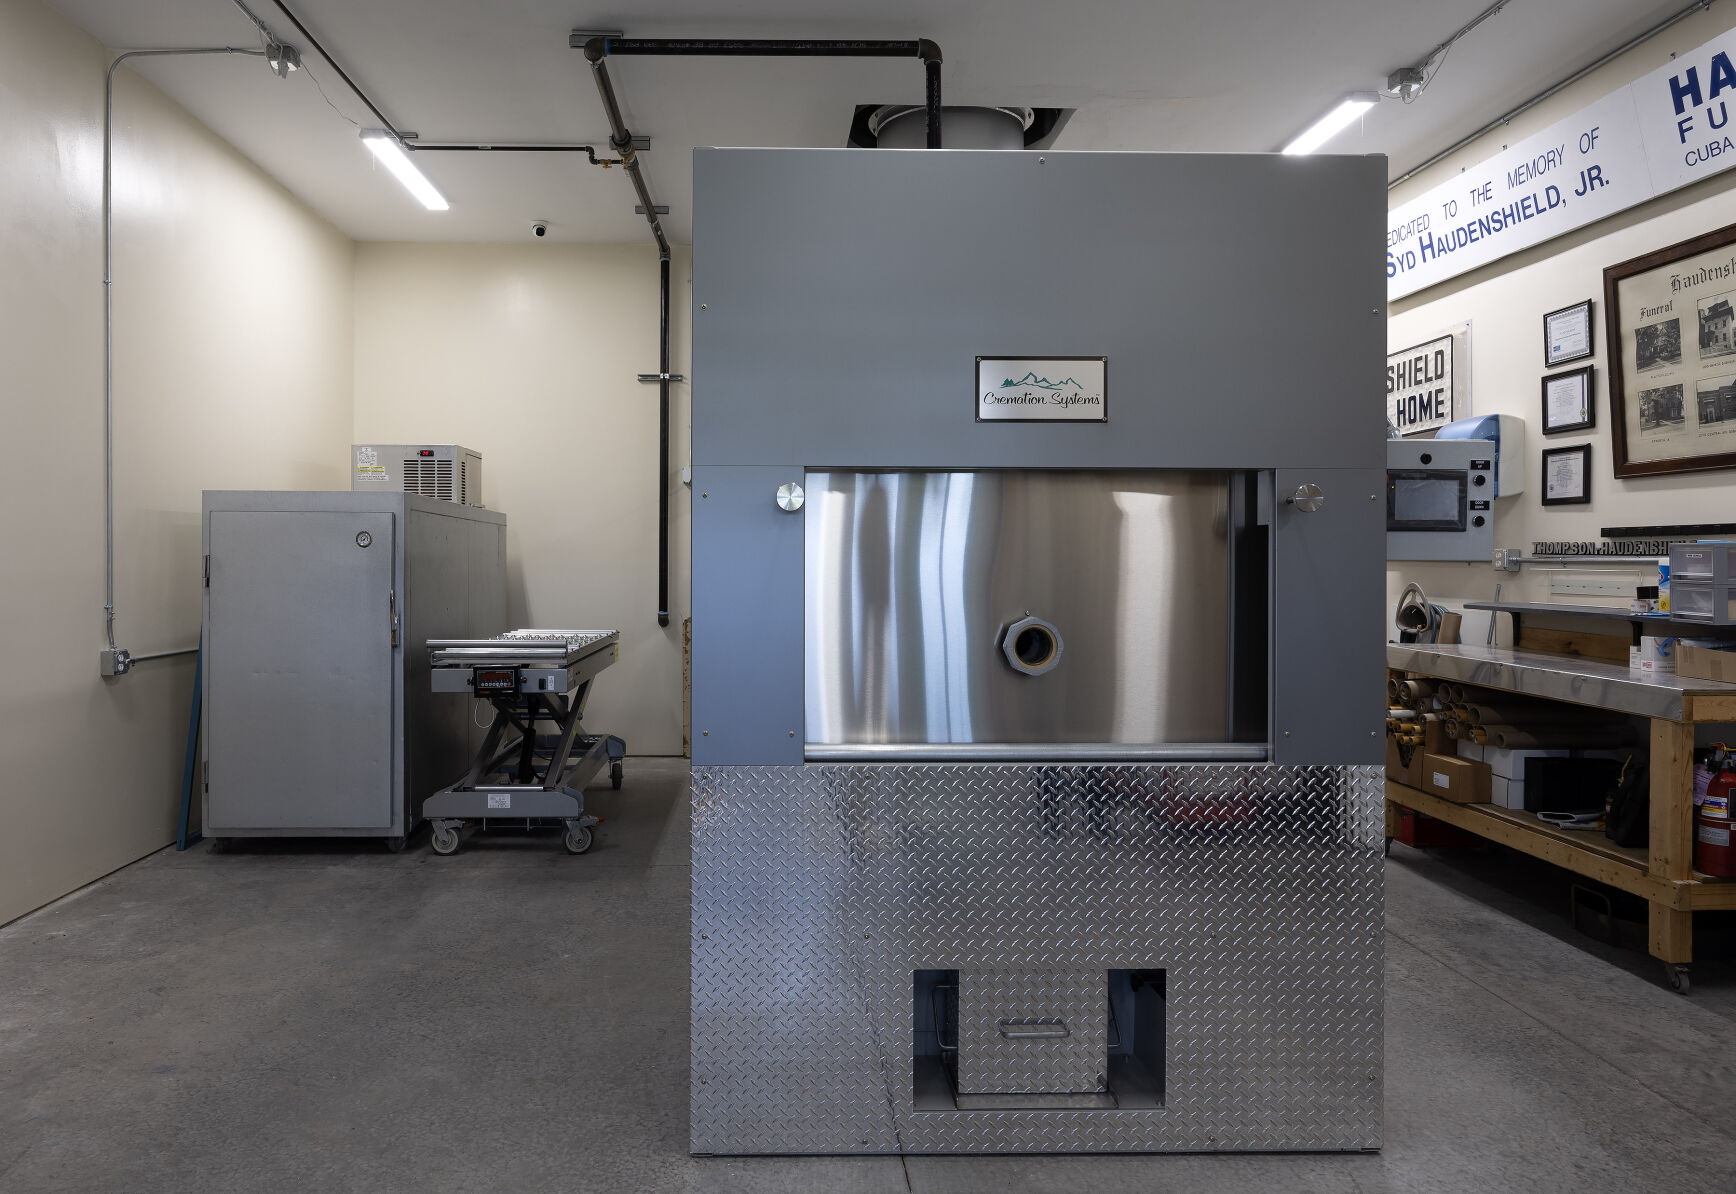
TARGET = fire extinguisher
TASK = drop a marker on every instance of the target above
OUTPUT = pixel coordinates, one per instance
(1715, 818)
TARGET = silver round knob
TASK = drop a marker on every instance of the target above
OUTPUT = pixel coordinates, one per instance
(790, 497)
(363, 539)
(1307, 498)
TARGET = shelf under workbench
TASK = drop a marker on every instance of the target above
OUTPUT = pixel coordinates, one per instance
(1662, 873)
(1584, 852)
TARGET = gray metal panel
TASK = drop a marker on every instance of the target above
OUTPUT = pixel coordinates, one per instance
(914, 579)
(299, 641)
(818, 891)
(1067, 1013)
(1474, 543)
(1239, 298)
(455, 586)
(474, 563)
(747, 619)
(1328, 602)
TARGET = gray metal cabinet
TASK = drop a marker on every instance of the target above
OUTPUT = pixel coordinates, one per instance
(318, 716)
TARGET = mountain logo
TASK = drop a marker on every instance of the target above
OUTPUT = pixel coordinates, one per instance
(1041, 383)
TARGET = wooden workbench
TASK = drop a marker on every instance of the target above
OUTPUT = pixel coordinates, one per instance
(1663, 874)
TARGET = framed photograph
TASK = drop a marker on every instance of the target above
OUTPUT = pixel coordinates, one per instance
(1567, 404)
(1670, 323)
(1567, 475)
(1567, 335)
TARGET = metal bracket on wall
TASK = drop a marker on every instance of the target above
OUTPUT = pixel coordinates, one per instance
(662, 377)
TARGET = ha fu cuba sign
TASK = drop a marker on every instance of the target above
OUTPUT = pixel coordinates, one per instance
(1669, 129)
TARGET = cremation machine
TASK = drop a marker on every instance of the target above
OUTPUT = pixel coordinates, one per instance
(319, 717)
(1037, 578)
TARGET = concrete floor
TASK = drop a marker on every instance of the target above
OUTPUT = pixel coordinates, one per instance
(329, 1017)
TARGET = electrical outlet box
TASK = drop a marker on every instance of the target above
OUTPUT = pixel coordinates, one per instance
(1505, 559)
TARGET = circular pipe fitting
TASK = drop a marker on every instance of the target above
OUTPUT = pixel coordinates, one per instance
(1032, 646)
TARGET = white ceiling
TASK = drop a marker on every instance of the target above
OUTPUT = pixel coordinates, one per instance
(1142, 74)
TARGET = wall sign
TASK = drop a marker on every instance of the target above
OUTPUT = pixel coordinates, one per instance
(1042, 389)
(1426, 383)
(1668, 129)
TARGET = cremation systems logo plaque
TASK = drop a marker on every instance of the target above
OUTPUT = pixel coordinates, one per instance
(1042, 389)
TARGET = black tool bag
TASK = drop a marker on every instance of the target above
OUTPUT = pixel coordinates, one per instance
(1628, 811)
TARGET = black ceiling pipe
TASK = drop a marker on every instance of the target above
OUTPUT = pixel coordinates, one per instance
(663, 444)
(597, 50)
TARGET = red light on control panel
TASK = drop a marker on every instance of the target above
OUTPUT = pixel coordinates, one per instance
(426, 452)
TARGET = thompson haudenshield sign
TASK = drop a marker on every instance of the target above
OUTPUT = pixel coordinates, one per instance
(1660, 133)
(1042, 389)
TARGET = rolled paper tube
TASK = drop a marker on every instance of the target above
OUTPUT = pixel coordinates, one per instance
(1554, 738)
(1534, 714)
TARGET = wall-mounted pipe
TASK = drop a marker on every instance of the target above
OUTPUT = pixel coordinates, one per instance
(597, 51)
(116, 661)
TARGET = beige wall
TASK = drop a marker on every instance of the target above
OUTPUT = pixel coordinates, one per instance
(529, 354)
(1505, 302)
(232, 369)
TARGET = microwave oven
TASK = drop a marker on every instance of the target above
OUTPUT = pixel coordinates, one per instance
(1440, 499)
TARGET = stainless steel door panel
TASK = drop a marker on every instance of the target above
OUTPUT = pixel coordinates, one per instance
(300, 646)
(911, 578)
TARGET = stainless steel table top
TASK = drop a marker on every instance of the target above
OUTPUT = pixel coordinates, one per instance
(547, 648)
(1590, 682)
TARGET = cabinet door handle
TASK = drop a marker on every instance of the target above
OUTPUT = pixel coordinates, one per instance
(1033, 1030)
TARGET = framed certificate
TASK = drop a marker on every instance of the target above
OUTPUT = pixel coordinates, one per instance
(1567, 475)
(1567, 335)
(1567, 404)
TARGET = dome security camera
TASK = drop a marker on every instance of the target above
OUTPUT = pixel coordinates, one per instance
(540, 228)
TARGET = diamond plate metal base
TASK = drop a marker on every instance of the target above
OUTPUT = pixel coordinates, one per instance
(818, 891)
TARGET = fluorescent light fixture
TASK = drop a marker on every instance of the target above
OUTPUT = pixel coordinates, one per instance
(390, 150)
(1333, 123)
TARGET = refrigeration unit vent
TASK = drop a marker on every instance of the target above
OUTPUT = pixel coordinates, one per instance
(444, 472)
(428, 478)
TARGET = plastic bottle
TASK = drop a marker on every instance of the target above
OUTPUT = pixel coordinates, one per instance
(1664, 585)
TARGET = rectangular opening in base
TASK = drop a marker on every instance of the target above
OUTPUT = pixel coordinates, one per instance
(1132, 1077)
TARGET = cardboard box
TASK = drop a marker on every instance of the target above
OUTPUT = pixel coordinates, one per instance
(1502, 789)
(1510, 764)
(1435, 739)
(1470, 750)
(1463, 781)
(1705, 663)
(1398, 771)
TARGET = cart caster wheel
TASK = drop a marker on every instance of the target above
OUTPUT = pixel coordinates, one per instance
(1386, 850)
(394, 845)
(444, 841)
(1678, 976)
(615, 776)
(577, 841)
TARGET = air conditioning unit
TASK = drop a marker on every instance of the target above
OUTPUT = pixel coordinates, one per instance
(446, 472)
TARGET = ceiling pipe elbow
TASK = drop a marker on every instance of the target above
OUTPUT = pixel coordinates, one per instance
(927, 51)
(597, 48)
